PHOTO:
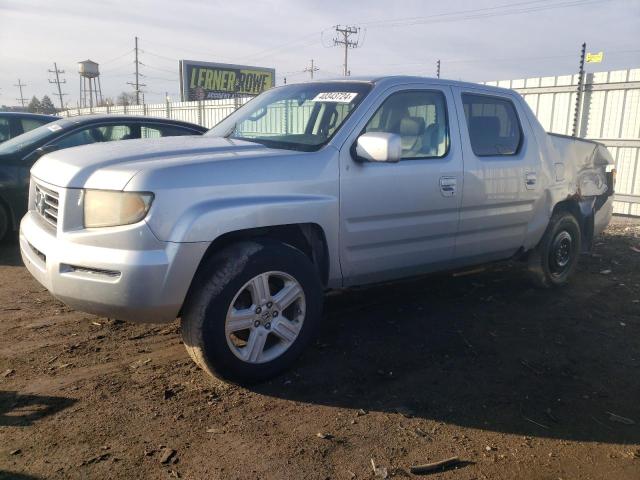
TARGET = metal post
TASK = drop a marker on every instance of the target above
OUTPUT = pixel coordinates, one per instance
(578, 107)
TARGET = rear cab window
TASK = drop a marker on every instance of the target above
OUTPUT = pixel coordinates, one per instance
(31, 123)
(5, 129)
(157, 131)
(493, 125)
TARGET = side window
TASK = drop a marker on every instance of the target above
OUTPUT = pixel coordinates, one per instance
(81, 137)
(110, 133)
(5, 130)
(494, 128)
(106, 133)
(157, 131)
(29, 124)
(420, 118)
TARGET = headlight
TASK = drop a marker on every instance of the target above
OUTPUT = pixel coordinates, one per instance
(104, 208)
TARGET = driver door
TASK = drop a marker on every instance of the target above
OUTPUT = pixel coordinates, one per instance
(401, 219)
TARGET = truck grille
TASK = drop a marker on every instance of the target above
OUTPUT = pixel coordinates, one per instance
(46, 204)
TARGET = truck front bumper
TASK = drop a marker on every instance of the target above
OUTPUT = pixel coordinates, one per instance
(124, 272)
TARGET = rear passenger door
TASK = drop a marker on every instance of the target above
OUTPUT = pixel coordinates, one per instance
(400, 219)
(500, 175)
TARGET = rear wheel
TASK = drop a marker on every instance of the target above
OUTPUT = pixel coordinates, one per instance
(254, 308)
(555, 258)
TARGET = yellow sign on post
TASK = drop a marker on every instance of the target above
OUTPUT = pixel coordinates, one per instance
(594, 57)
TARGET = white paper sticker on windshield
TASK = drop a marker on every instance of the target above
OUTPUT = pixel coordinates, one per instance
(54, 128)
(339, 97)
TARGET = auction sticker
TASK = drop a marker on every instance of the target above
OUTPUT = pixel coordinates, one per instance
(338, 97)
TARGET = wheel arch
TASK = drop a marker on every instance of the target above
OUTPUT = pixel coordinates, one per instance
(309, 238)
(583, 210)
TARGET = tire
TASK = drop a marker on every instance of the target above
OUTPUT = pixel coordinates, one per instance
(554, 260)
(230, 291)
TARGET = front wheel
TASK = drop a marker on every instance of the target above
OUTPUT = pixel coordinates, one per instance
(555, 258)
(254, 308)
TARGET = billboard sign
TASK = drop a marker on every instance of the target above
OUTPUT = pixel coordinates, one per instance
(213, 81)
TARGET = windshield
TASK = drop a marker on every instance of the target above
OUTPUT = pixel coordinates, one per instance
(33, 137)
(297, 117)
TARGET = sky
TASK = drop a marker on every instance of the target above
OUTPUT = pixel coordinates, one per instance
(478, 40)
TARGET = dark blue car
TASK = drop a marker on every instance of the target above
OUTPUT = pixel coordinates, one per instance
(18, 155)
(13, 124)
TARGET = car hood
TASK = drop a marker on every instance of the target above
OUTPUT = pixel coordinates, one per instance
(111, 165)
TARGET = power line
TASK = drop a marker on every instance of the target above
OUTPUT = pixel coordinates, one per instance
(20, 85)
(471, 14)
(57, 81)
(118, 57)
(147, 52)
(289, 44)
(346, 32)
(485, 59)
(374, 23)
(161, 69)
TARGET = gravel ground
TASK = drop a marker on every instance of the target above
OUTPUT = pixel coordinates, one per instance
(516, 382)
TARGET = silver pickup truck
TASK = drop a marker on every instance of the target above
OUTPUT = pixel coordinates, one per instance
(309, 187)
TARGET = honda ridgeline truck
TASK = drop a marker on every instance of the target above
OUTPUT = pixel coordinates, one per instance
(305, 188)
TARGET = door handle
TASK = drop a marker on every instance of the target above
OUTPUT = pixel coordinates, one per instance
(530, 180)
(448, 186)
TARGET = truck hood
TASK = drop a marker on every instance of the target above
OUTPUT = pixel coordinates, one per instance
(111, 165)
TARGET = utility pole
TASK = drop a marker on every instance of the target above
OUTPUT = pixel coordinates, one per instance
(311, 69)
(137, 83)
(58, 82)
(346, 32)
(20, 85)
(438, 69)
(577, 113)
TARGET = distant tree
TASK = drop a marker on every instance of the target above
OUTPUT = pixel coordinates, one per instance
(34, 105)
(46, 105)
(106, 102)
(124, 99)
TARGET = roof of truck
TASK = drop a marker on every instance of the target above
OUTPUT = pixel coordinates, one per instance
(402, 79)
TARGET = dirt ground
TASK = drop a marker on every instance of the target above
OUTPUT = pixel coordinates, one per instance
(518, 383)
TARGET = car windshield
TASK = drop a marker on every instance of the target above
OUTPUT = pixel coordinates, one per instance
(33, 137)
(296, 117)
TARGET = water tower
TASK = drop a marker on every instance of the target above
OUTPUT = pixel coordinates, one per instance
(89, 84)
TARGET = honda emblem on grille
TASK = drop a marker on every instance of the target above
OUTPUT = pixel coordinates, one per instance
(40, 202)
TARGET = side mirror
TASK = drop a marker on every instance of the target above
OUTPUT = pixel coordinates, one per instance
(379, 147)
